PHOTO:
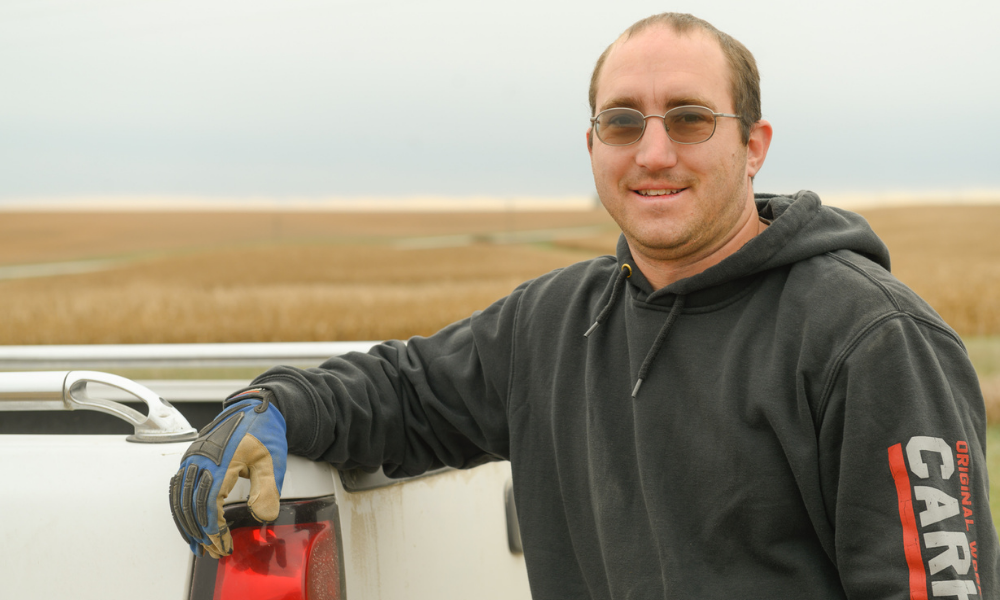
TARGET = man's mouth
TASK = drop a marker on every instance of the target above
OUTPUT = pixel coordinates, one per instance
(659, 192)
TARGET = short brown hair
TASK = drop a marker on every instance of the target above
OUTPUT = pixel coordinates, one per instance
(744, 78)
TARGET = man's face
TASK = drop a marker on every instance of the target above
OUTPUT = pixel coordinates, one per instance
(707, 185)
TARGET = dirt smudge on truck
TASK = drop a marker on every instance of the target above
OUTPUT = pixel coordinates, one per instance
(374, 516)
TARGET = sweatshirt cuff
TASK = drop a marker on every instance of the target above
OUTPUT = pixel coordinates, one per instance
(300, 418)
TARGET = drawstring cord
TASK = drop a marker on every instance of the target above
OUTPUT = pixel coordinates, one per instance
(623, 274)
(644, 369)
(616, 292)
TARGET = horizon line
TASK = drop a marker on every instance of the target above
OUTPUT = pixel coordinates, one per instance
(435, 203)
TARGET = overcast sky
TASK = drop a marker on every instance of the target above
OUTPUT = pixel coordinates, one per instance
(293, 98)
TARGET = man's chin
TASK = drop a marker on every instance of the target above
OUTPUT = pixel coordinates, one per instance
(657, 245)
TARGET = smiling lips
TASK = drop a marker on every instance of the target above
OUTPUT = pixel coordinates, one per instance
(658, 192)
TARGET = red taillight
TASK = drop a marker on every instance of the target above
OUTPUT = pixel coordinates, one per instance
(291, 562)
(296, 558)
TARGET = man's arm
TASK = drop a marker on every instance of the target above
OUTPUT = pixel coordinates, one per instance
(408, 407)
(902, 442)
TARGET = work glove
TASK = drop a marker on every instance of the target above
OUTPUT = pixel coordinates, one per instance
(246, 440)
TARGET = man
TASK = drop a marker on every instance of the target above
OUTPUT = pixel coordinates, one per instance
(742, 403)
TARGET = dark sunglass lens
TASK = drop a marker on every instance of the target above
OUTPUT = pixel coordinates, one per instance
(690, 124)
(619, 126)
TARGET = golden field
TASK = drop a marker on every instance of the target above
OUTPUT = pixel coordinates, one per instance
(337, 268)
(249, 277)
(228, 277)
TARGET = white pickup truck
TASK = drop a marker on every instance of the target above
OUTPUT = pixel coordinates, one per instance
(85, 509)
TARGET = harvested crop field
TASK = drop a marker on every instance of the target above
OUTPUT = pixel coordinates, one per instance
(268, 277)
(200, 277)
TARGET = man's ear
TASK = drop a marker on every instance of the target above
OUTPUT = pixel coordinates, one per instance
(757, 145)
(590, 140)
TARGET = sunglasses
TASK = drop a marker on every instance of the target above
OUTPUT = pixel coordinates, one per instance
(684, 124)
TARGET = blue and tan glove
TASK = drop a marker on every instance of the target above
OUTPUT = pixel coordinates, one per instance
(246, 440)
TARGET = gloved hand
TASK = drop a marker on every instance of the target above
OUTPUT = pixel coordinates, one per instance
(246, 440)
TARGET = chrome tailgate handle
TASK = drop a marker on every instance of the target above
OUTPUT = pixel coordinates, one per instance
(67, 390)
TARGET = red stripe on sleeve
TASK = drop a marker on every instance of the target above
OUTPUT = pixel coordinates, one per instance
(911, 539)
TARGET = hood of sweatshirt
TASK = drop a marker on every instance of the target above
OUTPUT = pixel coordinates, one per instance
(801, 228)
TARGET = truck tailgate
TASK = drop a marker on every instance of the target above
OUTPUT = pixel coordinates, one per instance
(90, 514)
(87, 517)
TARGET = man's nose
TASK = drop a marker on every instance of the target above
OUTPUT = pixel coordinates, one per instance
(656, 150)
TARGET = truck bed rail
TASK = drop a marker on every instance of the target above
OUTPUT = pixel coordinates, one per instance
(20, 358)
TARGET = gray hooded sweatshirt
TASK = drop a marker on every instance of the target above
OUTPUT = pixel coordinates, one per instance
(805, 425)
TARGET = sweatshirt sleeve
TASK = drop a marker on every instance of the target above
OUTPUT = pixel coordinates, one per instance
(407, 407)
(903, 467)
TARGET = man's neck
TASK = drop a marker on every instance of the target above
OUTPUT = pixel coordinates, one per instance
(662, 272)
